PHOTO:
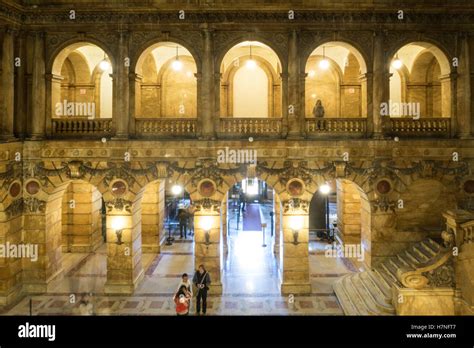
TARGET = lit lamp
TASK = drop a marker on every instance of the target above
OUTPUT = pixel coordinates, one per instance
(251, 63)
(118, 224)
(296, 224)
(397, 63)
(206, 225)
(176, 190)
(104, 64)
(177, 64)
(324, 63)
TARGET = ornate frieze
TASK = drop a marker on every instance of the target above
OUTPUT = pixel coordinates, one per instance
(295, 204)
(119, 204)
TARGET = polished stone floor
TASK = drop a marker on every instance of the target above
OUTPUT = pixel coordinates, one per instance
(250, 282)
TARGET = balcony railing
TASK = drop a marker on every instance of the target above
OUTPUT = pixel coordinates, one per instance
(81, 126)
(337, 126)
(422, 127)
(185, 127)
(238, 126)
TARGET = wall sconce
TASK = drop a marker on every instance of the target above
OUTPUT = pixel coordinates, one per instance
(296, 224)
(118, 224)
(206, 225)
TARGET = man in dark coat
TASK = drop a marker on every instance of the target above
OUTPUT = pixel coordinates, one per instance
(202, 280)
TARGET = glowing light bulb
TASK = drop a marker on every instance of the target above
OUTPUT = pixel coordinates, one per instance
(251, 64)
(397, 63)
(104, 65)
(177, 65)
(176, 190)
(325, 189)
(324, 64)
(118, 223)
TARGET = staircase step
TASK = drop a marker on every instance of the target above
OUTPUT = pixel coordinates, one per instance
(369, 300)
(419, 251)
(356, 298)
(378, 297)
(412, 257)
(390, 269)
(431, 246)
(405, 260)
(344, 300)
(381, 284)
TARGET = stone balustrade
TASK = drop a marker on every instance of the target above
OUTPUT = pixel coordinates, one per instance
(336, 126)
(70, 127)
(422, 127)
(250, 126)
(185, 127)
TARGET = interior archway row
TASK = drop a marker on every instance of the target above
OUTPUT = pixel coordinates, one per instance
(168, 85)
(134, 192)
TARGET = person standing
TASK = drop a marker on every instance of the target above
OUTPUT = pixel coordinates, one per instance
(202, 280)
(187, 283)
(183, 223)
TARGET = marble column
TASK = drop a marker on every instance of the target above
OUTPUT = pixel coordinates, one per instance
(380, 85)
(464, 91)
(122, 92)
(207, 248)
(224, 216)
(7, 85)
(295, 258)
(20, 89)
(207, 86)
(277, 223)
(124, 253)
(295, 113)
(38, 89)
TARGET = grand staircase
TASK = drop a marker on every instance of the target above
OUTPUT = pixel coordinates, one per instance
(371, 292)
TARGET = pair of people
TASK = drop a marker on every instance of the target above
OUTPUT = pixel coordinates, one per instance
(182, 298)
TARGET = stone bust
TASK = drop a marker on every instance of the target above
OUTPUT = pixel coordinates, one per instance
(318, 110)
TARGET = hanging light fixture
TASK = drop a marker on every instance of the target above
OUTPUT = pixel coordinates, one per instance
(251, 63)
(104, 64)
(397, 63)
(177, 64)
(324, 63)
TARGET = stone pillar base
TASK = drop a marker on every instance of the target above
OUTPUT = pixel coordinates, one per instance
(150, 249)
(13, 296)
(42, 287)
(123, 289)
(436, 301)
(295, 289)
(215, 289)
(8, 138)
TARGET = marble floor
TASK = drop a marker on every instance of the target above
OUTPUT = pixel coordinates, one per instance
(250, 282)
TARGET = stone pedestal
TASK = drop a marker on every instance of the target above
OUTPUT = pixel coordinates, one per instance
(437, 301)
(207, 249)
(124, 255)
(295, 264)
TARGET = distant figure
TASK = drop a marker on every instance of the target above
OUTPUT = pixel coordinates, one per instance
(183, 223)
(318, 110)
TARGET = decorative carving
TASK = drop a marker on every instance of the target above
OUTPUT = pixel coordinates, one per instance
(295, 204)
(15, 208)
(208, 169)
(293, 169)
(442, 276)
(207, 204)
(383, 204)
(33, 205)
(119, 204)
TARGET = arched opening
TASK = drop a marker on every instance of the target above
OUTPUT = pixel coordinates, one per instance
(335, 85)
(250, 82)
(250, 224)
(340, 215)
(165, 82)
(81, 83)
(420, 84)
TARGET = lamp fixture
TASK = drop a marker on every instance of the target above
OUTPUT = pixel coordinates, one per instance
(104, 64)
(177, 65)
(118, 225)
(176, 190)
(325, 189)
(397, 63)
(324, 63)
(251, 63)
